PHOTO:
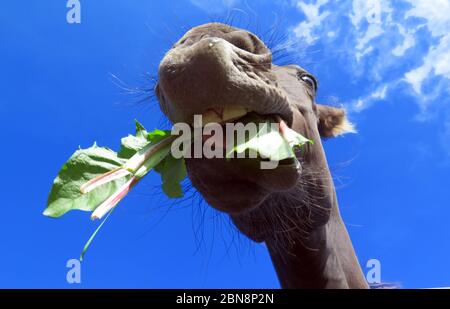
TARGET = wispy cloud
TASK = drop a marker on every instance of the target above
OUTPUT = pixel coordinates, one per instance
(383, 46)
(436, 18)
(369, 13)
(435, 62)
(365, 102)
(408, 41)
(313, 19)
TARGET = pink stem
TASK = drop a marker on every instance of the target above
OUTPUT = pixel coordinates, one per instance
(114, 199)
(103, 179)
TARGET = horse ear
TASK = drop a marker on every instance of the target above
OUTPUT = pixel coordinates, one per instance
(333, 121)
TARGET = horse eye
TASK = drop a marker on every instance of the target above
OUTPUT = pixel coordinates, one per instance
(311, 81)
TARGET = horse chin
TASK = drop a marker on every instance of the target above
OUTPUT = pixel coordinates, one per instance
(239, 185)
(237, 197)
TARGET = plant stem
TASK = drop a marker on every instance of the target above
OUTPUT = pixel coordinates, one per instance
(114, 199)
(103, 179)
(143, 155)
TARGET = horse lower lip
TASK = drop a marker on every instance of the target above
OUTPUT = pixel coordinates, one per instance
(217, 171)
(297, 165)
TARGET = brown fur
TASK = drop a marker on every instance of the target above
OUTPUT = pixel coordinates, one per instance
(333, 121)
(294, 211)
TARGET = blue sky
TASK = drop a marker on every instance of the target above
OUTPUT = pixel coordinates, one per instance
(387, 62)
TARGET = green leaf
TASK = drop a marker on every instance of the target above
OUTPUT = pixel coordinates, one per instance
(173, 172)
(140, 130)
(158, 135)
(173, 189)
(133, 143)
(269, 143)
(130, 145)
(83, 165)
(294, 139)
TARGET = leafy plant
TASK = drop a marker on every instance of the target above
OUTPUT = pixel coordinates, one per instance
(96, 179)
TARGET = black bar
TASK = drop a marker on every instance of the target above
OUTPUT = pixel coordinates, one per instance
(223, 298)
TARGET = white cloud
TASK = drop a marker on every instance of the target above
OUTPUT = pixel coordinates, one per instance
(372, 32)
(435, 13)
(436, 18)
(435, 63)
(408, 41)
(331, 34)
(314, 18)
(417, 76)
(382, 45)
(368, 12)
(365, 102)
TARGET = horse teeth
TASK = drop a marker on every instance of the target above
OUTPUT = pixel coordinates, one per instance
(234, 112)
(221, 115)
(218, 110)
(210, 116)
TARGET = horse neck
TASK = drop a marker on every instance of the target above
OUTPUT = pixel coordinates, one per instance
(326, 259)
